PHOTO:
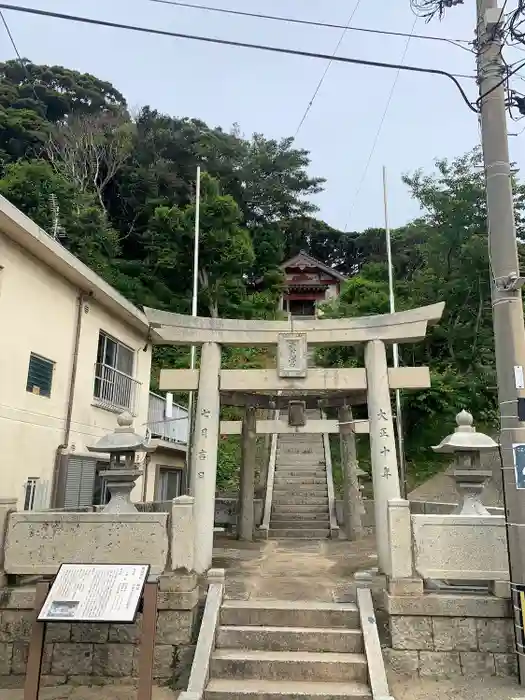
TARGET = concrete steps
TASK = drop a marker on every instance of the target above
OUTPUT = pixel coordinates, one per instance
(220, 689)
(318, 639)
(301, 508)
(284, 650)
(308, 520)
(289, 665)
(300, 501)
(300, 489)
(298, 533)
(284, 613)
(301, 473)
(300, 480)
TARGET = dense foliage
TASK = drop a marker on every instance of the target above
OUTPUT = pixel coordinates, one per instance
(120, 192)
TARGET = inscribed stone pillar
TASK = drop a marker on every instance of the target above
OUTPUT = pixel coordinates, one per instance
(352, 506)
(204, 454)
(383, 453)
(245, 516)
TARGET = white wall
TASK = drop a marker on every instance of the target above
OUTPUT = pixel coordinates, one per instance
(38, 311)
(171, 458)
(331, 292)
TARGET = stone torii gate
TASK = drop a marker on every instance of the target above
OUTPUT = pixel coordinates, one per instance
(292, 374)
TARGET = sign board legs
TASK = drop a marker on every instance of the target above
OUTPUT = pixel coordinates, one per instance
(36, 646)
(147, 642)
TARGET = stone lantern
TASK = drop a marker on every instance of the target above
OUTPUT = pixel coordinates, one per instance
(466, 444)
(120, 478)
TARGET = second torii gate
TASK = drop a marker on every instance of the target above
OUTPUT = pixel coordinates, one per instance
(292, 374)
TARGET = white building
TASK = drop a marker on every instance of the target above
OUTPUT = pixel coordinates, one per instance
(73, 354)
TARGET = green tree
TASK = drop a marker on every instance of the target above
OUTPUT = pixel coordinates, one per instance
(443, 256)
(226, 251)
(34, 98)
(84, 228)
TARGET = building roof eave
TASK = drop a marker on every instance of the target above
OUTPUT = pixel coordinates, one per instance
(315, 263)
(29, 236)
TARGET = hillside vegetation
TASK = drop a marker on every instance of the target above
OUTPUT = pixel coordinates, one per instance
(123, 191)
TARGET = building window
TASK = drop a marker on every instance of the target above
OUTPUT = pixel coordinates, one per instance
(40, 375)
(114, 386)
(30, 492)
(169, 485)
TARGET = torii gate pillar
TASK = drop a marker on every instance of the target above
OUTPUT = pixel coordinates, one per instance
(204, 455)
(385, 473)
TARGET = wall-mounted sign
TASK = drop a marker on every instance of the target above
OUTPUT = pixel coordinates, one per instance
(518, 450)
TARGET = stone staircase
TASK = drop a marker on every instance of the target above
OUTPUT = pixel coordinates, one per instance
(300, 494)
(284, 650)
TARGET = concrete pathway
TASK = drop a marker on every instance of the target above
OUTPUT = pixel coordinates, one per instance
(108, 692)
(320, 570)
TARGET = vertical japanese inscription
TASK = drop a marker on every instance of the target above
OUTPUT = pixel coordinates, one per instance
(292, 355)
(384, 451)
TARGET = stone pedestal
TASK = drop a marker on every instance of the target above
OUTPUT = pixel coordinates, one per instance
(245, 520)
(204, 454)
(352, 505)
(470, 484)
(120, 483)
(385, 473)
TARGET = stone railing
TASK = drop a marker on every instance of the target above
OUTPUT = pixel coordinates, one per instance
(332, 509)
(200, 668)
(460, 547)
(455, 547)
(265, 524)
(462, 629)
(37, 543)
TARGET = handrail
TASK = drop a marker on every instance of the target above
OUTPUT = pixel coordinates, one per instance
(374, 656)
(175, 405)
(334, 527)
(265, 525)
(200, 668)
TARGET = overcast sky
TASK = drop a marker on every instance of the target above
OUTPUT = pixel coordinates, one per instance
(268, 93)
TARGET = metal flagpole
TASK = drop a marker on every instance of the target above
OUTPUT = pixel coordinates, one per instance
(395, 349)
(189, 469)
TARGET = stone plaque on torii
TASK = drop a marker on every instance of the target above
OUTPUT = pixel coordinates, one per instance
(376, 379)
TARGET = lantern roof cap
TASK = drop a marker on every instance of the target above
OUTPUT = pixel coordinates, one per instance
(465, 438)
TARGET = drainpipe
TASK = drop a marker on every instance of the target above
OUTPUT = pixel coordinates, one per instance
(81, 299)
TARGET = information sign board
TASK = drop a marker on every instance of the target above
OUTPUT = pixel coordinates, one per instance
(95, 593)
(519, 464)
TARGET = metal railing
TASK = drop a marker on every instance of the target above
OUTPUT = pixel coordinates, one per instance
(172, 429)
(114, 389)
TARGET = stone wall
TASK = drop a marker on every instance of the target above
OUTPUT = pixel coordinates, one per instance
(86, 654)
(441, 635)
(226, 511)
(416, 507)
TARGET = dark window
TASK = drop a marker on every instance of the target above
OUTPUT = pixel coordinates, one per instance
(114, 383)
(101, 494)
(169, 485)
(40, 375)
(30, 493)
(115, 355)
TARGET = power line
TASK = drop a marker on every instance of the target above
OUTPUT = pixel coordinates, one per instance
(311, 23)
(328, 65)
(381, 123)
(17, 52)
(240, 44)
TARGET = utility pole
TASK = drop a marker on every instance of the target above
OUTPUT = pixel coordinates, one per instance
(395, 347)
(194, 299)
(509, 334)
